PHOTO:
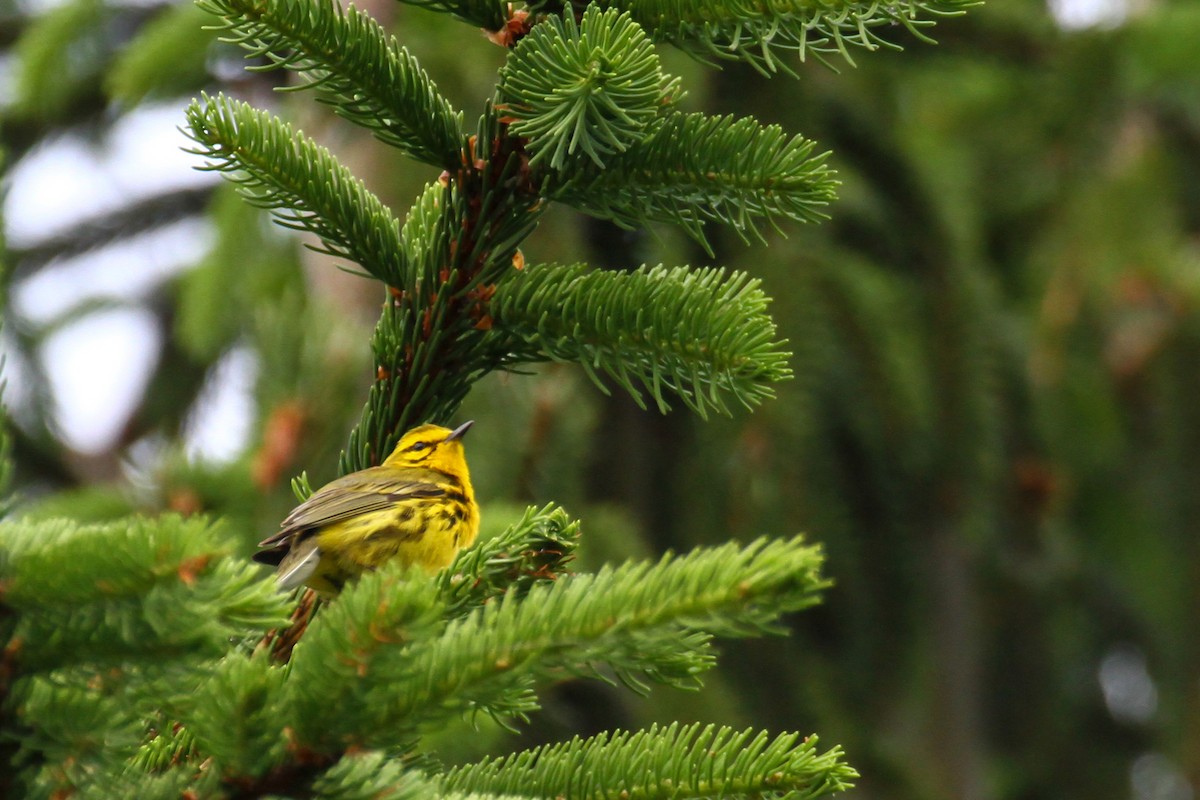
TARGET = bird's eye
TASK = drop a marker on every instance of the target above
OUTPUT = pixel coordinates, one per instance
(418, 447)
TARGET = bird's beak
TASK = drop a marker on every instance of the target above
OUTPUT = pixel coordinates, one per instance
(458, 432)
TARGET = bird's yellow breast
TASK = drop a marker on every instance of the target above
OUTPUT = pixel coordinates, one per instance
(427, 532)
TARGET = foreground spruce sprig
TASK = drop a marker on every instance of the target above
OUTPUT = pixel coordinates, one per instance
(106, 628)
(722, 341)
(640, 622)
(398, 653)
(706, 761)
(138, 591)
(394, 97)
(379, 666)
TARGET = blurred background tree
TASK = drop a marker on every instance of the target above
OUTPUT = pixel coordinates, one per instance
(992, 427)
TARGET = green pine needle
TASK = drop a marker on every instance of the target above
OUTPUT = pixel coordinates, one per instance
(358, 68)
(642, 620)
(137, 588)
(234, 717)
(276, 167)
(338, 688)
(698, 334)
(677, 761)
(694, 169)
(592, 88)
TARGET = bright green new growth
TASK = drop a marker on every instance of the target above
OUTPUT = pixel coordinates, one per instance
(592, 87)
(706, 761)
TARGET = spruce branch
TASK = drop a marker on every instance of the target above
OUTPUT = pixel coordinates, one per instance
(378, 666)
(754, 31)
(532, 551)
(338, 685)
(233, 717)
(460, 237)
(108, 625)
(642, 620)
(688, 761)
(68, 730)
(423, 373)
(432, 342)
(694, 169)
(592, 87)
(236, 715)
(276, 167)
(136, 589)
(41, 89)
(358, 69)
(701, 334)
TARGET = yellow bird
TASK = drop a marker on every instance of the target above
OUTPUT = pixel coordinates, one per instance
(417, 506)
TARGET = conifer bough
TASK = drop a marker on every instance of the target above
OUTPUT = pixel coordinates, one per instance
(594, 87)
(721, 340)
(363, 73)
(705, 761)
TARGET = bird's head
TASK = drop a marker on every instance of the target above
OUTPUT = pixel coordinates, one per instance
(431, 447)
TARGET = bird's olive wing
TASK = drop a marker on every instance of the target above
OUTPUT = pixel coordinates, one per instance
(354, 494)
